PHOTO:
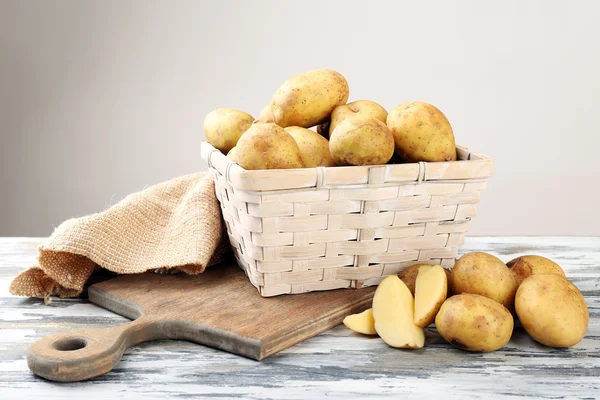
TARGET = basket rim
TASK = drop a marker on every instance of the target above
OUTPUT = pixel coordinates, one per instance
(470, 166)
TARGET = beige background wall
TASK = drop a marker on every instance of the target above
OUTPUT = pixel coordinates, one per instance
(99, 99)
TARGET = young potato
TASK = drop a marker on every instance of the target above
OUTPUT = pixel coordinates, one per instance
(431, 289)
(360, 109)
(474, 323)
(552, 310)
(231, 154)
(525, 266)
(361, 323)
(421, 132)
(314, 148)
(266, 114)
(267, 146)
(484, 274)
(223, 127)
(308, 99)
(393, 310)
(358, 141)
(409, 277)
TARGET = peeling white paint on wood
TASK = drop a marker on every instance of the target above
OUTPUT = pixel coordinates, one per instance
(336, 364)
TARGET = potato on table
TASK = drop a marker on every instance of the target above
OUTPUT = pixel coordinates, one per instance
(409, 277)
(474, 323)
(431, 289)
(393, 311)
(525, 266)
(486, 275)
(361, 323)
(552, 310)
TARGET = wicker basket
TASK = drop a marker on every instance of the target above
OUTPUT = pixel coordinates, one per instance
(301, 230)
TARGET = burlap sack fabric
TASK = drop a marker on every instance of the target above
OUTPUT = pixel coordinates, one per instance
(172, 225)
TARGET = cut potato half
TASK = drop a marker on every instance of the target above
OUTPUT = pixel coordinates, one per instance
(362, 322)
(393, 310)
(431, 289)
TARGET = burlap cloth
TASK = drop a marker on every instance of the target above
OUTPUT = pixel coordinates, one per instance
(175, 225)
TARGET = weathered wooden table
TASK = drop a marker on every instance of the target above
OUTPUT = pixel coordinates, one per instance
(335, 364)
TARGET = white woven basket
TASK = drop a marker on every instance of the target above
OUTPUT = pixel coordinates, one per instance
(301, 230)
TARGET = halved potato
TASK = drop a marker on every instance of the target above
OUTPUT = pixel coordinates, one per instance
(431, 290)
(409, 277)
(362, 323)
(393, 310)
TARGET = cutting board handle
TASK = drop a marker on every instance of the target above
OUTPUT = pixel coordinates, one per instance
(84, 354)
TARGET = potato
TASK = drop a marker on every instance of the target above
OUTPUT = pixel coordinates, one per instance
(449, 287)
(308, 99)
(267, 146)
(362, 323)
(474, 323)
(364, 109)
(409, 277)
(421, 133)
(358, 141)
(393, 310)
(266, 114)
(552, 310)
(525, 266)
(232, 154)
(223, 127)
(484, 274)
(431, 289)
(314, 148)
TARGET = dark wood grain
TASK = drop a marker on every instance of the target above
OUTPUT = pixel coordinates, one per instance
(219, 308)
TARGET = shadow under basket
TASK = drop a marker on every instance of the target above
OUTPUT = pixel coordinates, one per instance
(302, 230)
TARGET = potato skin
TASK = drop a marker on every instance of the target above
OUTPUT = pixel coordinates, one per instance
(223, 127)
(552, 310)
(409, 276)
(421, 132)
(309, 98)
(314, 148)
(266, 114)
(267, 146)
(358, 141)
(474, 323)
(525, 266)
(357, 109)
(485, 275)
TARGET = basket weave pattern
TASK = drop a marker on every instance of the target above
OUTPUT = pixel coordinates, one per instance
(296, 231)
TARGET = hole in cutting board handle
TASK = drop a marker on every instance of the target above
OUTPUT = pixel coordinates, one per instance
(70, 344)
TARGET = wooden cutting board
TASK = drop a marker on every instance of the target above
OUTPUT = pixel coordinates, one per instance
(219, 308)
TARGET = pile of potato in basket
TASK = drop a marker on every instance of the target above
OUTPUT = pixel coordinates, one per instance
(473, 305)
(357, 133)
